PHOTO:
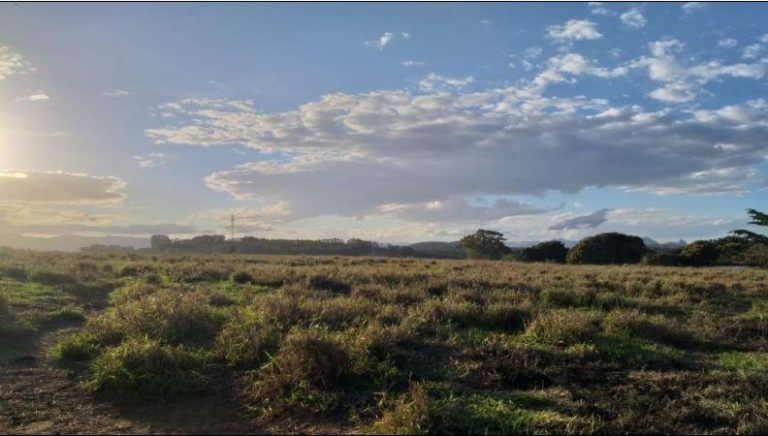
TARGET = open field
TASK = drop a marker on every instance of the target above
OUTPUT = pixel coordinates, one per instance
(127, 343)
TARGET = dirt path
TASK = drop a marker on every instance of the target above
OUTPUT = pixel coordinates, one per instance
(38, 398)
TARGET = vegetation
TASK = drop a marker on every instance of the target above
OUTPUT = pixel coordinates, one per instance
(608, 248)
(550, 251)
(484, 244)
(404, 345)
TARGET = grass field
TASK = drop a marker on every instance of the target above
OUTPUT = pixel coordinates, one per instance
(374, 345)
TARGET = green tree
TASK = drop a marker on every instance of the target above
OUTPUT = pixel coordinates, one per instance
(699, 253)
(759, 219)
(608, 248)
(549, 251)
(485, 244)
(159, 242)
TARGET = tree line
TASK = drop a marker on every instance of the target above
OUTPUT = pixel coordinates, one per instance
(742, 247)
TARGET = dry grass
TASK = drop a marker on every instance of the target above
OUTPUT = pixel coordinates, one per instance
(415, 346)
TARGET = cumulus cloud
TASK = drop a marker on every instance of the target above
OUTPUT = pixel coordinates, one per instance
(38, 96)
(591, 220)
(25, 186)
(12, 63)
(683, 82)
(574, 30)
(352, 155)
(633, 18)
(152, 160)
(435, 82)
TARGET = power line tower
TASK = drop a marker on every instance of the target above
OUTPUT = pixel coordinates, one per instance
(231, 227)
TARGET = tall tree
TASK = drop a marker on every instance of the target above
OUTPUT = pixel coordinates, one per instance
(759, 219)
(485, 244)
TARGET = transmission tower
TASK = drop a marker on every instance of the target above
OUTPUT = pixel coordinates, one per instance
(231, 227)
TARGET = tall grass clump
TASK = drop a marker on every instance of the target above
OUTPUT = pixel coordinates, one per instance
(565, 326)
(306, 373)
(147, 368)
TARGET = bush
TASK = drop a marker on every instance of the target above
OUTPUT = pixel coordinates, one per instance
(242, 277)
(608, 248)
(146, 368)
(550, 251)
(699, 253)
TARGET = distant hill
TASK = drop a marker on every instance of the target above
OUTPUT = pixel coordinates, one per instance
(653, 244)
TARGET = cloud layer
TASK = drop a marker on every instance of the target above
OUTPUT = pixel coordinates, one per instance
(24, 186)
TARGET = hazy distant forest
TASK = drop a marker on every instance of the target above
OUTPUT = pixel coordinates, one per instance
(741, 248)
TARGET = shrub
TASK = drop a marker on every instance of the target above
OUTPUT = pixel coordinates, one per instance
(146, 368)
(564, 326)
(326, 283)
(550, 251)
(608, 248)
(242, 277)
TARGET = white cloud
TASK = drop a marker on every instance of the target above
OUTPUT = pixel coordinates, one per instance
(38, 96)
(385, 39)
(576, 64)
(12, 63)
(633, 18)
(117, 93)
(152, 160)
(404, 154)
(691, 7)
(598, 8)
(574, 30)
(728, 42)
(27, 186)
(457, 209)
(676, 92)
(435, 82)
(752, 51)
(533, 52)
(684, 82)
(411, 63)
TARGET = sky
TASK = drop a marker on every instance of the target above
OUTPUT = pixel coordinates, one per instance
(391, 122)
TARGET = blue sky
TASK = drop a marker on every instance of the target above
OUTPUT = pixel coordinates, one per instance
(394, 122)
